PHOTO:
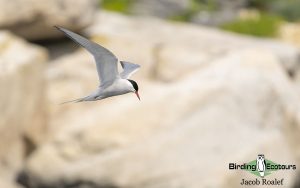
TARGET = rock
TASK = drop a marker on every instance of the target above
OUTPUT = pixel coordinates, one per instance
(161, 8)
(208, 97)
(34, 19)
(194, 46)
(6, 184)
(230, 110)
(214, 18)
(219, 13)
(290, 32)
(22, 101)
(231, 5)
(208, 13)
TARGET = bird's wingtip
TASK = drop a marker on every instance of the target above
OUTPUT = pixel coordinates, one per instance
(72, 101)
(57, 27)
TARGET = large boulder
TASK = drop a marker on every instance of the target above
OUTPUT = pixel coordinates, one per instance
(208, 98)
(34, 19)
(170, 50)
(181, 134)
(22, 101)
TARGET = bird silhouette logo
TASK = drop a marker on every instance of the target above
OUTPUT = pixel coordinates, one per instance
(261, 165)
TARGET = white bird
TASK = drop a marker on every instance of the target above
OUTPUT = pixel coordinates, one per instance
(112, 82)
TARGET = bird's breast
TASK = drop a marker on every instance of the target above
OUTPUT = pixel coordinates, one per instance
(119, 87)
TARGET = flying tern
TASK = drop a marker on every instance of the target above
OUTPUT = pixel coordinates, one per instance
(112, 82)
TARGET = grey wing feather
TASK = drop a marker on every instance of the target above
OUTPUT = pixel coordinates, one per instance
(128, 69)
(106, 61)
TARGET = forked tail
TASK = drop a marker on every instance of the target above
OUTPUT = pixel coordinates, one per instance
(75, 101)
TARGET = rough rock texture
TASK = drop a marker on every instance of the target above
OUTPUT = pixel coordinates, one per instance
(208, 98)
(230, 111)
(34, 19)
(22, 101)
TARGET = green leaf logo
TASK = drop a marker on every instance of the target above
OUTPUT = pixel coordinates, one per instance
(267, 171)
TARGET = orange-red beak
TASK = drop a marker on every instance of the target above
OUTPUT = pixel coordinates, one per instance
(137, 94)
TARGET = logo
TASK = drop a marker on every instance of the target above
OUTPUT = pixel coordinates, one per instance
(262, 167)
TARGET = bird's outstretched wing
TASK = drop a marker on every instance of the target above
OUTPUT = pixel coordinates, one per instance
(106, 61)
(128, 69)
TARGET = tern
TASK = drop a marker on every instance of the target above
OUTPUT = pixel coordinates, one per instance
(112, 83)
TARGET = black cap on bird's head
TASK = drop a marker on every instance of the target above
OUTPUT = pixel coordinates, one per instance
(136, 87)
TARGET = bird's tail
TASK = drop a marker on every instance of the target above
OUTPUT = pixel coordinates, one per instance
(75, 101)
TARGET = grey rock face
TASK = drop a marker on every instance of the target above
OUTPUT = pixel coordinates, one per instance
(225, 11)
(161, 8)
(213, 12)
